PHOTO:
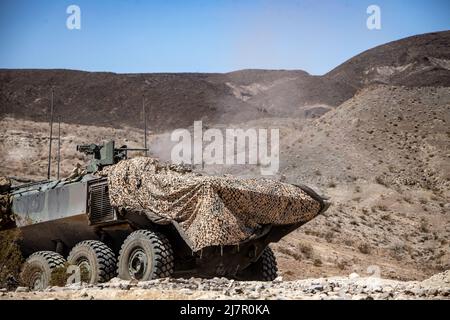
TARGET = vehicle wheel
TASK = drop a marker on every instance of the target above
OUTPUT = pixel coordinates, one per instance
(95, 259)
(264, 269)
(145, 255)
(37, 269)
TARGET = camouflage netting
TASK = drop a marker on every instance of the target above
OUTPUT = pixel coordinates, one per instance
(210, 210)
(6, 217)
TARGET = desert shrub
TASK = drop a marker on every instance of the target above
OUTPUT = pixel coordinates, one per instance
(317, 262)
(381, 180)
(424, 225)
(306, 249)
(10, 258)
(380, 207)
(288, 251)
(329, 236)
(407, 199)
(348, 242)
(364, 248)
(60, 276)
(342, 264)
(386, 217)
(331, 184)
(397, 251)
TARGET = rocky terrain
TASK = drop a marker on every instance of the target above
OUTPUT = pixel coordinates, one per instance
(353, 287)
(372, 134)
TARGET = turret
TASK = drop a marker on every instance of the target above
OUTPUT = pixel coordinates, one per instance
(104, 154)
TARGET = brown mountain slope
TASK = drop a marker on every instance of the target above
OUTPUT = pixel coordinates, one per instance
(173, 100)
(397, 135)
(176, 100)
(421, 60)
(383, 158)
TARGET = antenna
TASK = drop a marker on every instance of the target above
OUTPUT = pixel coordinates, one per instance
(51, 135)
(145, 124)
(59, 144)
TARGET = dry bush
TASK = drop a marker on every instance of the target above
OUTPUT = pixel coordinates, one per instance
(342, 264)
(60, 276)
(364, 248)
(397, 251)
(380, 207)
(10, 258)
(408, 200)
(331, 184)
(306, 249)
(424, 225)
(317, 262)
(349, 242)
(290, 252)
(382, 181)
(329, 236)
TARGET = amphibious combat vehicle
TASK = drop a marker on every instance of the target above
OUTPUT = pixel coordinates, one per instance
(137, 219)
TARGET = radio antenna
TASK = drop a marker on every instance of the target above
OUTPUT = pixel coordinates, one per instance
(59, 144)
(145, 125)
(51, 137)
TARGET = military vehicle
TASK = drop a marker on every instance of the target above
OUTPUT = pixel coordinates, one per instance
(73, 221)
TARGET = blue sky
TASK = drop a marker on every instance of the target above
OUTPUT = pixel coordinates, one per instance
(205, 35)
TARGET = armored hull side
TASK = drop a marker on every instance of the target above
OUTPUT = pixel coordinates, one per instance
(52, 212)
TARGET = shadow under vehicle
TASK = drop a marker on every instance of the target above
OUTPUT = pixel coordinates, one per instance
(72, 221)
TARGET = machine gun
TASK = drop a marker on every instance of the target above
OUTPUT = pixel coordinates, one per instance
(104, 154)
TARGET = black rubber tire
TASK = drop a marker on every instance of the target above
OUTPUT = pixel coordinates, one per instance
(264, 269)
(99, 257)
(152, 246)
(39, 267)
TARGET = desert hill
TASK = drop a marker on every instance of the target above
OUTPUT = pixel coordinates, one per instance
(421, 60)
(176, 100)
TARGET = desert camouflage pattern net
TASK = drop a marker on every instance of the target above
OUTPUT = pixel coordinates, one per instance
(210, 210)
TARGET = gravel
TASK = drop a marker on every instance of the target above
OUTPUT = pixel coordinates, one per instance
(352, 287)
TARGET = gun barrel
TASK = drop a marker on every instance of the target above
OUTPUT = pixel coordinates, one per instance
(133, 149)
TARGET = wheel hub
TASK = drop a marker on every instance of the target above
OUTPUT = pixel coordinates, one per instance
(137, 264)
(37, 280)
